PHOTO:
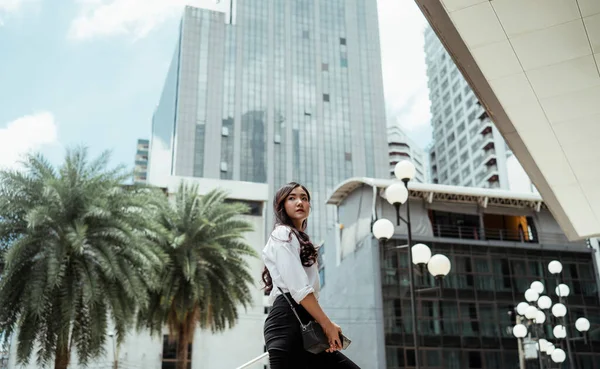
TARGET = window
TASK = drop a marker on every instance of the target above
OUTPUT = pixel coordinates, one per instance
(455, 87)
(459, 113)
(442, 162)
(342, 40)
(446, 97)
(471, 117)
(467, 171)
(457, 100)
(305, 35)
(475, 360)
(255, 208)
(464, 157)
(344, 62)
(225, 131)
(448, 110)
(454, 166)
(322, 276)
(324, 67)
(223, 166)
(326, 97)
(169, 354)
(450, 138)
(445, 83)
(474, 131)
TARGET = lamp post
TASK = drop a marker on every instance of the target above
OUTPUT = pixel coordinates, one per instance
(115, 360)
(438, 265)
(534, 311)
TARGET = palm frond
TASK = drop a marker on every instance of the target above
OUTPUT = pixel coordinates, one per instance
(208, 273)
(80, 250)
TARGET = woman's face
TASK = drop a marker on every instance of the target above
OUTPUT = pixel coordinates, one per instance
(297, 205)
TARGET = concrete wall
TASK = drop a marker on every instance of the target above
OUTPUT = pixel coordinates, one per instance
(351, 295)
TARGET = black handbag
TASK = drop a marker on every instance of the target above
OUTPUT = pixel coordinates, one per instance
(314, 339)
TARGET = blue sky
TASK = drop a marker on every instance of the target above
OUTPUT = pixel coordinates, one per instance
(90, 72)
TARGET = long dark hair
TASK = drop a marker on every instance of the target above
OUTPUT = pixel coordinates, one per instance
(308, 251)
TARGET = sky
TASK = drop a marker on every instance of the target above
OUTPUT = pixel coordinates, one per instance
(90, 72)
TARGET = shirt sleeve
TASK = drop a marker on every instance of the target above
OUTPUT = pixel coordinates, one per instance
(289, 265)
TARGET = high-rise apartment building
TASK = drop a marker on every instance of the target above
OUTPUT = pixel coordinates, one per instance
(140, 171)
(287, 90)
(467, 150)
(401, 147)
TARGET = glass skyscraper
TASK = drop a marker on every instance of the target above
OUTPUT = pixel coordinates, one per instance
(284, 90)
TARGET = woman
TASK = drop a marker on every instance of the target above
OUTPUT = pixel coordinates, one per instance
(291, 265)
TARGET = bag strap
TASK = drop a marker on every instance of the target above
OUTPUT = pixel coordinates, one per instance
(292, 306)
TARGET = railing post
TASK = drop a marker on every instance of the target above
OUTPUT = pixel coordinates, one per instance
(256, 359)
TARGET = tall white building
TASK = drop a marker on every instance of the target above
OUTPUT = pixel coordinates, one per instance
(401, 147)
(140, 172)
(468, 150)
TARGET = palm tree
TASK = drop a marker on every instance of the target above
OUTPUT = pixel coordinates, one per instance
(80, 254)
(207, 277)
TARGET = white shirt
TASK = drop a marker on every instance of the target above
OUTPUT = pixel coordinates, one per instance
(282, 258)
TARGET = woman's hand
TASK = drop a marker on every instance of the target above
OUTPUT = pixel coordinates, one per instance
(333, 331)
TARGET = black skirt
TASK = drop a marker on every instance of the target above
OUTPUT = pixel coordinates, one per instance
(283, 339)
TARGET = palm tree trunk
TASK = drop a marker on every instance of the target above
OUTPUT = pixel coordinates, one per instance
(61, 358)
(182, 346)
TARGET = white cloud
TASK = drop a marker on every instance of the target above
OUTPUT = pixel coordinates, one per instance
(8, 7)
(26, 134)
(132, 18)
(401, 26)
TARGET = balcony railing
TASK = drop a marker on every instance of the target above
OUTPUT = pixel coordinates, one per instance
(497, 234)
(253, 361)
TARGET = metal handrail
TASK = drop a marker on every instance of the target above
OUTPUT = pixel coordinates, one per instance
(253, 361)
(497, 234)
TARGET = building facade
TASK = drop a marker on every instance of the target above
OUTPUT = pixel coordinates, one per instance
(140, 350)
(468, 150)
(401, 147)
(140, 171)
(288, 90)
(498, 243)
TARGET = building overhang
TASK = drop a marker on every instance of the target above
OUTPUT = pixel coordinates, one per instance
(437, 192)
(236, 190)
(534, 65)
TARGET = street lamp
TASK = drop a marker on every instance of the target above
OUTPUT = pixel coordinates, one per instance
(536, 316)
(531, 295)
(582, 325)
(538, 287)
(115, 355)
(544, 302)
(419, 254)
